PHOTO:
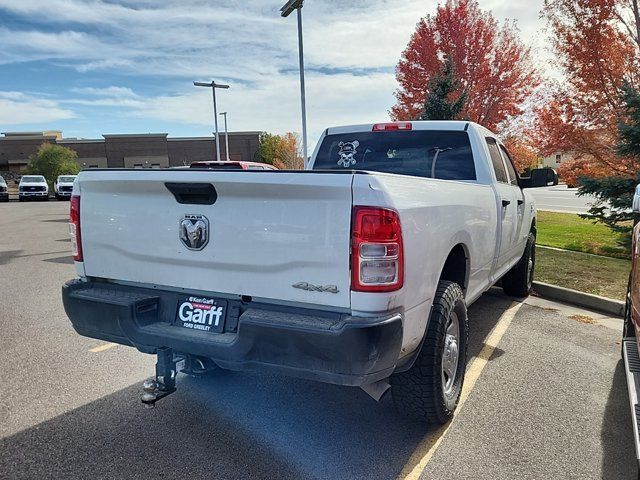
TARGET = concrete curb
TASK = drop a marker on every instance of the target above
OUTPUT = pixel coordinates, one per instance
(581, 299)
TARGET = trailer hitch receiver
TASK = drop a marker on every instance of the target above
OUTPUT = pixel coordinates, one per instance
(164, 383)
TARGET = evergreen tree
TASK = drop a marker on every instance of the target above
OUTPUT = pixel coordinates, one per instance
(629, 132)
(439, 104)
(615, 193)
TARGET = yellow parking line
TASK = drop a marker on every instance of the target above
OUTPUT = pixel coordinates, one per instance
(428, 446)
(102, 348)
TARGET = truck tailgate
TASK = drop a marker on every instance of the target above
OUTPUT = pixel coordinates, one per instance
(267, 232)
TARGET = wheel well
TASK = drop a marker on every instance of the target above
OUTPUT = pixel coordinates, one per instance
(456, 267)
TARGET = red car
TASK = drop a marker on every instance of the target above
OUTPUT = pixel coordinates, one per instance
(631, 330)
(240, 165)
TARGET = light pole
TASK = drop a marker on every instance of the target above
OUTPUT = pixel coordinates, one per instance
(213, 85)
(226, 134)
(285, 11)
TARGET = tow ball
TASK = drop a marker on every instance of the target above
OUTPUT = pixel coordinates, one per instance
(164, 382)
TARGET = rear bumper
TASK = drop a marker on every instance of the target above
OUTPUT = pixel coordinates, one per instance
(324, 346)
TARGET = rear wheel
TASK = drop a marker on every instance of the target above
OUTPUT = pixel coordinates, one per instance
(518, 281)
(430, 389)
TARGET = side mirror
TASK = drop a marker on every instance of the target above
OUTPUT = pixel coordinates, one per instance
(540, 177)
(636, 200)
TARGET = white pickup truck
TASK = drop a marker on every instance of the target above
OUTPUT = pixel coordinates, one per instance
(356, 272)
(63, 186)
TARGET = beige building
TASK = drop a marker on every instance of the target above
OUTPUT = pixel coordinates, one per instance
(150, 150)
(557, 159)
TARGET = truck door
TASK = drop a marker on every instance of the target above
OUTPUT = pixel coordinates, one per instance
(521, 231)
(507, 206)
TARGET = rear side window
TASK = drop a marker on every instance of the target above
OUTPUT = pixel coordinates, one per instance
(496, 160)
(445, 155)
(513, 176)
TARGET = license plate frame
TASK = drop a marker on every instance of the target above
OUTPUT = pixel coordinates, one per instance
(199, 313)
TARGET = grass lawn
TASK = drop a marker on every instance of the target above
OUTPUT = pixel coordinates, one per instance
(598, 275)
(570, 232)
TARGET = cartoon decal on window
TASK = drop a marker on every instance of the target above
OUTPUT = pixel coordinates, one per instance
(347, 153)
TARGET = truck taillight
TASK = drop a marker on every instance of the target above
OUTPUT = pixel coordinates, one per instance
(74, 228)
(377, 257)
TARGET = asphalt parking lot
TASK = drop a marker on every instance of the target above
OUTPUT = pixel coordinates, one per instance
(545, 397)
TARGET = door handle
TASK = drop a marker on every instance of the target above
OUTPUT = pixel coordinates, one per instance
(506, 203)
(193, 193)
(520, 202)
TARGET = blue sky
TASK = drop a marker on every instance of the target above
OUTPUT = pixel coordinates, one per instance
(89, 67)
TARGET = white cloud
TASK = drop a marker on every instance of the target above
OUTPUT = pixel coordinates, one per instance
(275, 105)
(235, 40)
(243, 42)
(17, 108)
(117, 92)
(106, 97)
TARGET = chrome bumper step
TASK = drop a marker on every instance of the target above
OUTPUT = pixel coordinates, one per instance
(632, 370)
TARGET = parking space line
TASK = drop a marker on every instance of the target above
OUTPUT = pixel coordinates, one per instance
(102, 348)
(428, 446)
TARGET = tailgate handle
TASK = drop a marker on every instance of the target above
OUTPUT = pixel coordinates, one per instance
(193, 193)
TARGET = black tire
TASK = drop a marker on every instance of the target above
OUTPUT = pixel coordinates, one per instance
(420, 392)
(518, 281)
(21, 199)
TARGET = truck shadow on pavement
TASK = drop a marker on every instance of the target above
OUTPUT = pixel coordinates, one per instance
(616, 433)
(230, 425)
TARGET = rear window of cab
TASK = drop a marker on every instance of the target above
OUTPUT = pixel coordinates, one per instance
(444, 155)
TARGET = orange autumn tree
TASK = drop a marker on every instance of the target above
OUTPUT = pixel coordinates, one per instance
(523, 153)
(597, 47)
(288, 155)
(491, 64)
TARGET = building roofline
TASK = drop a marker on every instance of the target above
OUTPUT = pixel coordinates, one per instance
(133, 135)
(18, 138)
(231, 134)
(81, 140)
(30, 133)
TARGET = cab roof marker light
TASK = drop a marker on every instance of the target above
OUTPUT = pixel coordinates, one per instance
(382, 127)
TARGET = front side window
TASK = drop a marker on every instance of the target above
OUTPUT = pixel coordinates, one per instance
(444, 155)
